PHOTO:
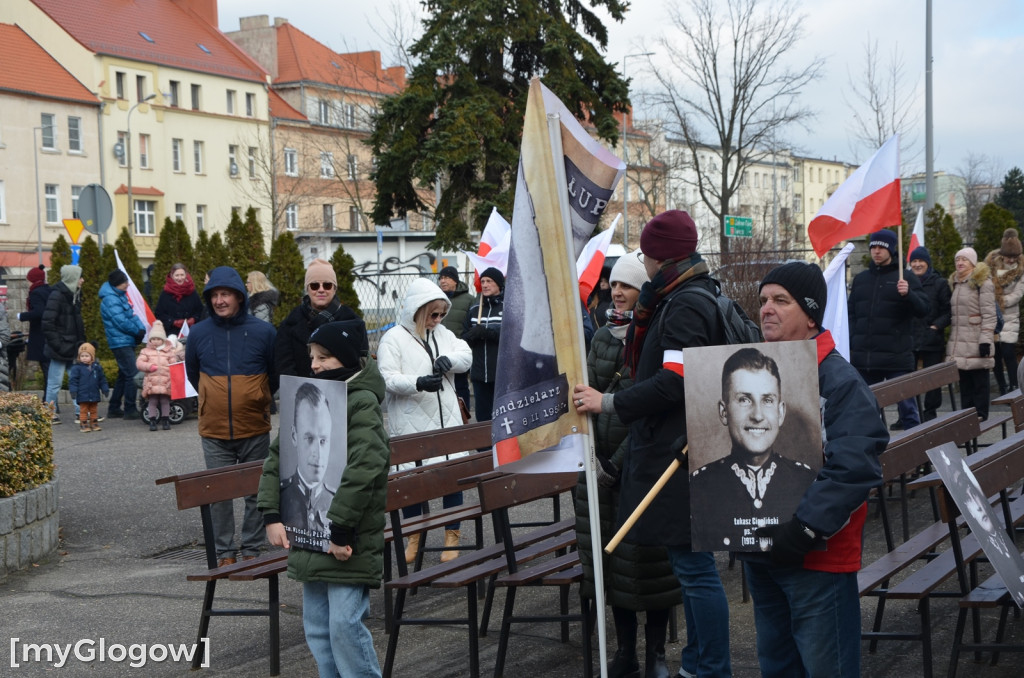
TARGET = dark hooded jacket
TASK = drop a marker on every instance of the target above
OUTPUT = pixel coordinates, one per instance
(881, 327)
(292, 349)
(230, 361)
(62, 324)
(937, 290)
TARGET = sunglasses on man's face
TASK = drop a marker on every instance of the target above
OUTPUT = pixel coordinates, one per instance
(315, 286)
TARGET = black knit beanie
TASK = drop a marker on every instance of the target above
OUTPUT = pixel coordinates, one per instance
(117, 277)
(449, 272)
(343, 339)
(495, 275)
(806, 283)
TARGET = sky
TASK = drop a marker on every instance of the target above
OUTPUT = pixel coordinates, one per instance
(978, 57)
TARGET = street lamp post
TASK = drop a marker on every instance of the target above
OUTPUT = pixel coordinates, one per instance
(625, 160)
(128, 150)
(39, 214)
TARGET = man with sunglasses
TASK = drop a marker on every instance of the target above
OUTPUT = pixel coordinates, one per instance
(320, 305)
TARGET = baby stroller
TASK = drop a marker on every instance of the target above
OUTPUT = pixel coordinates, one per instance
(178, 410)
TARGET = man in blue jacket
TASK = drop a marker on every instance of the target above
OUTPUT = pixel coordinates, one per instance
(124, 331)
(229, 358)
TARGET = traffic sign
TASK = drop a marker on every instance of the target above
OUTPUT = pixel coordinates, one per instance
(95, 208)
(739, 227)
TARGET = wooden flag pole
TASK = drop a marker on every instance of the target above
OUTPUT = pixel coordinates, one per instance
(899, 250)
(639, 510)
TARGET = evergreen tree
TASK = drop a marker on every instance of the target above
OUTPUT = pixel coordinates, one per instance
(460, 117)
(343, 263)
(993, 221)
(94, 274)
(244, 240)
(174, 247)
(60, 254)
(942, 240)
(125, 246)
(210, 253)
(286, 272)
(1011, 195)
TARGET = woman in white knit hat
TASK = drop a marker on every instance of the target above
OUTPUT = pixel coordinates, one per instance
(972, 327)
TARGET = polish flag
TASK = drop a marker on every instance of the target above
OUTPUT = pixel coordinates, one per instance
(497, 235)
(836, 319)
(496, 256)
(181, 387)
(917, 236)
(867, 201)
(591, 260)
(139, 306)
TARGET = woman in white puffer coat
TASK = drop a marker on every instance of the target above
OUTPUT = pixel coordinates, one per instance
(417, 358)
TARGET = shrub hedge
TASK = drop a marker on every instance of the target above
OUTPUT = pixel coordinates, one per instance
(26, 443)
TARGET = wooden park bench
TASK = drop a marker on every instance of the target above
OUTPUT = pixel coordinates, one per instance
(201, 490)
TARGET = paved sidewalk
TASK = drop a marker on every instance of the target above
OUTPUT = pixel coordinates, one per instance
(108, 582)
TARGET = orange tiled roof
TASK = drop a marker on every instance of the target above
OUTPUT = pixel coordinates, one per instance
(282, 110)
(10, 259)
(302, 58)
(138, 190)
(115, 27)
(28, 68)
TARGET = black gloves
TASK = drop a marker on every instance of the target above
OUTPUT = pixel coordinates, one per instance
(139, 336)
(607, 472)
(344, 536)
(790, 543)
(677, 450)
(442, 364)
(983, 350)
(473, 333)
(431, 383)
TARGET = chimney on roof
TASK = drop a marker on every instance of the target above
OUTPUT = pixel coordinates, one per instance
(249, 23)
(279, 21)
(206, 9)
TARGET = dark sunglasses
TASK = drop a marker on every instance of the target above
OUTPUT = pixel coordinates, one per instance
(435, 316)
(315, 286)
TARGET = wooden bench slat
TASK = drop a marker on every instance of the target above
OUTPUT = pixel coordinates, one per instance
(892, 391)
(539, 571)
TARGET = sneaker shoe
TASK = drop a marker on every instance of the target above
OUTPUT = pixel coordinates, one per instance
(99, 419)
(77, 421)
(95, 427)
(55, 420)
(131, 414)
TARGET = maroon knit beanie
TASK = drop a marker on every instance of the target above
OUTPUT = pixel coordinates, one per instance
(670, 235)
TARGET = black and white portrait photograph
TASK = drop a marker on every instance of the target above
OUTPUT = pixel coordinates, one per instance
(313, 439)
(980, 515)
(754, 435)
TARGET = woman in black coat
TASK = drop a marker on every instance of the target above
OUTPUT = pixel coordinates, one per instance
(179, 303)
(38, 293)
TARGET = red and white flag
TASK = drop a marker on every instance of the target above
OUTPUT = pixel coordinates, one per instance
(493, 248)
(591, 260)
(917, 236)
(869, 200)
(139, 306)
(181, 387)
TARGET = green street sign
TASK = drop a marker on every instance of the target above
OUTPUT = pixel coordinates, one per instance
(739, 227)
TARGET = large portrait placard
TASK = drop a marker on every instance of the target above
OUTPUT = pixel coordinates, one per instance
(313, 451)
(753, 421)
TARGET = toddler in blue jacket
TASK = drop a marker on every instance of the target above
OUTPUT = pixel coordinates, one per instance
(85, 382)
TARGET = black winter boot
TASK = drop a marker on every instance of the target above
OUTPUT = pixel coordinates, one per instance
(167, 423)
(152, 423)
(624, 664)
(654, 637)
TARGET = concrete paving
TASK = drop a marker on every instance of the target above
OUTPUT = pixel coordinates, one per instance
(109, 582)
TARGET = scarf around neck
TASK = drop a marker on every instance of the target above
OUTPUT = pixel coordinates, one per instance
(181, 291)
(672, 275)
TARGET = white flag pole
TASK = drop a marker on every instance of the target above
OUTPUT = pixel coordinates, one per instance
(555, 137)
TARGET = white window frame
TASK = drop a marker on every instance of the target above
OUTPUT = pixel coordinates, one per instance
(291, 217)
(144, 217)
(122, 138)
(145, 141)
(179, 211)
(233, 160)
(352, 165)
(326, 165)
(74, 134)
(353, 218)
(231, 96)
(196, 95)
(323, 111)
(200, 217)
(291, 162)
(76, 192)
(175, 93)
(250, 104)
(350, 116)
(252, 162)
(48, 140)
(52, 193)
(176, 149)
(328, 214)
(197, 156)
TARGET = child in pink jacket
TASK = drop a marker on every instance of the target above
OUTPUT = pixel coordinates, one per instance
(154, 362)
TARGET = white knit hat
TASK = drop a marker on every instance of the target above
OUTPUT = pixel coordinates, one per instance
(629, 269)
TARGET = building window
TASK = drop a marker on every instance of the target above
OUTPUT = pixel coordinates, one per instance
(782, 183)
(74, 134)
(743, 178)
(119, 84)
(353, 218)
(144, 151)
(324, 112)
(231, 101)
(757, 180)
(3, 204)
(145, 217)
(350, 116)
(233, 160)
(49, 136)
(797, 202)
(328, 217)
(179, 212)
(252, 162)
(291, 162)
(250, 104)
(200, 217)
(52, 204)
(353, 167)
(291, 217)
(195, 97)
(175, 92)
(122, 140)
(197, 156)
(140, 87)
(235, 209)
(176, 148)
(76, 191)
(326, 165)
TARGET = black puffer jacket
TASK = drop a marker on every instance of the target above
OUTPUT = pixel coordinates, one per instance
(881, 327)
(62, 324)
(937, 290)
(37, 299)
(292, 352)
(484, 341)
(655, 410)
(636, 577)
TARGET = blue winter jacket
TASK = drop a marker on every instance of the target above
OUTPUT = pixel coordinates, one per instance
(86, 382)
(119, 320)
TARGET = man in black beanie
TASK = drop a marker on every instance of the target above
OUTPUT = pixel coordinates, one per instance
(929, 331)
(814, 556)
(881, 309)
(458, 293)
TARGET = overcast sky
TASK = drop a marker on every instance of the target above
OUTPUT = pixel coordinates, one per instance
(978, 50)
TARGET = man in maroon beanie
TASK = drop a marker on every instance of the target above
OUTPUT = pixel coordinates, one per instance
(666, 321)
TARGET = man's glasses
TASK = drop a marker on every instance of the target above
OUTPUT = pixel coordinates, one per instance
(315, 286)
(437, 316)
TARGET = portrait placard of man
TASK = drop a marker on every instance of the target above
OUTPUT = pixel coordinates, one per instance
(755, 445)
(313, 456)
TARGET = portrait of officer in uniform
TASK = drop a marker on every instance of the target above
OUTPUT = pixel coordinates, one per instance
(305, 498)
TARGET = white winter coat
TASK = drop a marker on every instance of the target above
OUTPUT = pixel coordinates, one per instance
(403, 357)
